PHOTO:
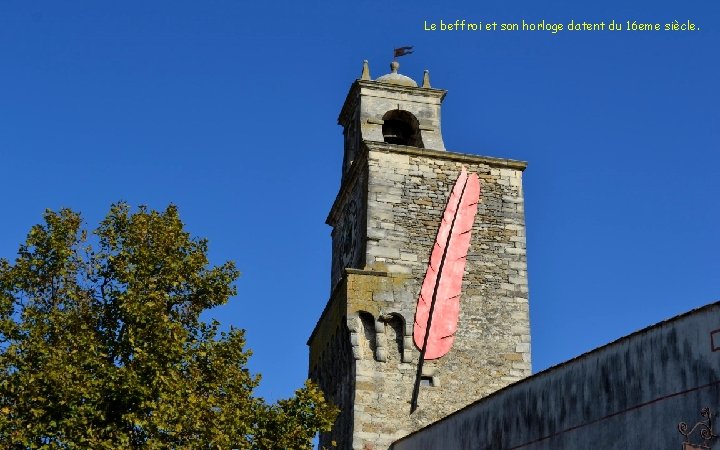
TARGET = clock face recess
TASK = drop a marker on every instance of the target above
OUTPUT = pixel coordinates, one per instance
(348, 249)
(349, 238)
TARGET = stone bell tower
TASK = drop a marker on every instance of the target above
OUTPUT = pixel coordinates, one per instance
(396, 181)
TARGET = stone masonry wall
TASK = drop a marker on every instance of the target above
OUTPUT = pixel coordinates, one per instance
(332, 366)
(335, 374)
(407, 192)
(361, 351)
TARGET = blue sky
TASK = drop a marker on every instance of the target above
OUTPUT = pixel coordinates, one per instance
(228, 109)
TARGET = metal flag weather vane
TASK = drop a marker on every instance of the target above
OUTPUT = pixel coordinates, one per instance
(438, 307)
(402, 51)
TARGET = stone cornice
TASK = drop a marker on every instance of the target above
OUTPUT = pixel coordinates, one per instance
(358, 85)
(336, 290)
(449, 155)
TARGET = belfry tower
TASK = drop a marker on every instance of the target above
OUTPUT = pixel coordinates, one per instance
(391, 220)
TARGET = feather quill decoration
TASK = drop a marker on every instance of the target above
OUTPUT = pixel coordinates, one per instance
(438, 307)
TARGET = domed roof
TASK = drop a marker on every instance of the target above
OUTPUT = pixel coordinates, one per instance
(395, 78)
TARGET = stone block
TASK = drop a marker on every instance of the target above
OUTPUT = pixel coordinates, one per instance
(522, 348)
(389, 252)
(383, 296)
(388, 198)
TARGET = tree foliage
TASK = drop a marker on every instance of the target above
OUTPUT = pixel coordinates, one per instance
(102, 345)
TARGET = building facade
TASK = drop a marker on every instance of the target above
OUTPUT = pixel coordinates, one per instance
(396, 181)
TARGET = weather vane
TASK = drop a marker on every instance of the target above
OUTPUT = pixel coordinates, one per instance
(402, 51)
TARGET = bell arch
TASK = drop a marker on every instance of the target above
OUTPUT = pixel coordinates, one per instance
(402, 128)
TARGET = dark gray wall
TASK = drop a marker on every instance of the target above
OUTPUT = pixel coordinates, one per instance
(631, 393)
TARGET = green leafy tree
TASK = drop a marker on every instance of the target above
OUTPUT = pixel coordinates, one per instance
(102, 346)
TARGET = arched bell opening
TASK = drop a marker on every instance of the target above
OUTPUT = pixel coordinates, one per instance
(401, 128)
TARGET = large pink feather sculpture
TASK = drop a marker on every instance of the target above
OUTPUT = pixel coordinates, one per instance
(438, 307)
